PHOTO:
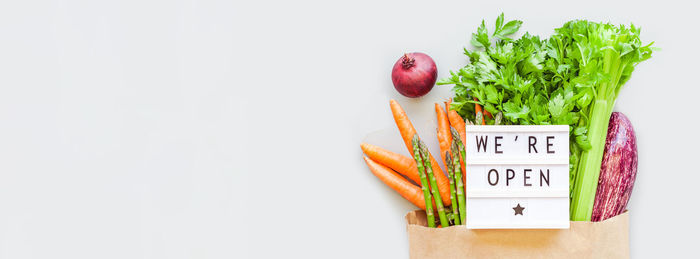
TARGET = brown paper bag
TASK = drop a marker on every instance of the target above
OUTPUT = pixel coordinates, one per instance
(606, 239)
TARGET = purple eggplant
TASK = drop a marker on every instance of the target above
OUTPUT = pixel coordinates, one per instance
(618, 170)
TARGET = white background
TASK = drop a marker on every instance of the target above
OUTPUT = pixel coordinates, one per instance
(200, 129)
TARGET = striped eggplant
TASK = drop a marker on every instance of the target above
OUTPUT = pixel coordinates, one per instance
(618, 170)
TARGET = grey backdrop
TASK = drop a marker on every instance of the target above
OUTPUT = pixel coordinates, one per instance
(219, 129)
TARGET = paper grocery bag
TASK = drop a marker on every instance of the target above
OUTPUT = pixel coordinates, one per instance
(605, 239)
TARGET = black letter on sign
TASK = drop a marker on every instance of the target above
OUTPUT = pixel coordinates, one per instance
(510, 174)
(526, 177)
(493, 170)
(549, 144)
(532, 140)
(480, 141)
(498, 145)
(546, 179)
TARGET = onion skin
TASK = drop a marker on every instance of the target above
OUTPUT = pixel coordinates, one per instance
(414, 74)
(618, 170)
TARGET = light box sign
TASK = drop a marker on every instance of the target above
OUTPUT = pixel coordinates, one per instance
(517, 176)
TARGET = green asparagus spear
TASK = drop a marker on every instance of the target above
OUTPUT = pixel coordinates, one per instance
(453, 191)
(460, 186)
(423, 182)
(460, 144)
(479, 119)
(451, 217)
(498, 118)
(433, 184)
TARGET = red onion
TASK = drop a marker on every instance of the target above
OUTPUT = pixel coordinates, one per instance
(414, 74)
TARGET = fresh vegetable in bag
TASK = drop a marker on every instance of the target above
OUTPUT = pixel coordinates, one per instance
(618, 171)
(573, 78)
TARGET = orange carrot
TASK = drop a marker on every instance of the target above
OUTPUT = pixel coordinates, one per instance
(485, 112)
(407, 131)
(401, 164)
(443, 131)
(458, 123)
(409, 191)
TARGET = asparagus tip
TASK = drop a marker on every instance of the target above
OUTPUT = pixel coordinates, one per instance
(423, 148)
(417, 143)
(455, 134)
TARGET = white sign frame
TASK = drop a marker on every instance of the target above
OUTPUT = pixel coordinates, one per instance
(541, 203)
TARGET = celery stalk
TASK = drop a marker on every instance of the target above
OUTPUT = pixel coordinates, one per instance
(613, 63)
(586, 181)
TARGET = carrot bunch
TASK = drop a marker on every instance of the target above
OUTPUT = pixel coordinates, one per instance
(431, 189)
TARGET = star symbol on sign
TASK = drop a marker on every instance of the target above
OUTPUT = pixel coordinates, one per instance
(518, 209)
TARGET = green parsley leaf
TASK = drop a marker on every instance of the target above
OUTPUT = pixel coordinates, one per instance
(481, 37)
(508, 29)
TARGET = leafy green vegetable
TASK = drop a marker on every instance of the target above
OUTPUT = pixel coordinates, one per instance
(605, 56)
(504, 30)
(517, 77)
(572, 78)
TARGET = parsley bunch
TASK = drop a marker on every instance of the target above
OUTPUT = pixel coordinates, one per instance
(571, 78)
(527, 79)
